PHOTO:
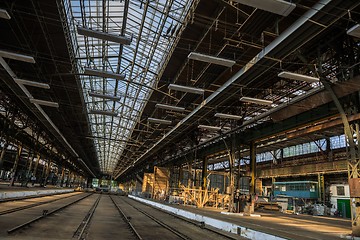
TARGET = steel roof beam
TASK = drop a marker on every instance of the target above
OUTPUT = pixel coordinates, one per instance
(274, 46)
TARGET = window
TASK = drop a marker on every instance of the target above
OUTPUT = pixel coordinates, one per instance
(340, 190)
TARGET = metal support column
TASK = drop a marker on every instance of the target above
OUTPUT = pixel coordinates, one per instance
(190, 176)
(75, 178)
(43, 174)
(354, 179)
(67, 181)
(3, 151)
(81, 184)
(180, 177)
(353, 152)
(15, 166)
(231, 153)
(321, 186)
(329, 152)
(58, 174)
(252, 167)
(36, 164)
(62, 177)
(204, 173)
(30, 163)
(48, 167)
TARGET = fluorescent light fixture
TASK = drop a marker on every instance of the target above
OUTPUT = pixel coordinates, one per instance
(354, 31)
(228, 116)
(256, 100)
(104, 36)
(93, 94)
(280, 7)
(32, 83)
(298, 77)
(44, 103)
(93, 72)
(211, 59)
(103, 112)
(169, 107)
(161, 121)
(207, 127)
(4, 14)
(186, 89)
(16, 56)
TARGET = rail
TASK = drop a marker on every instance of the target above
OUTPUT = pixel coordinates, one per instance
(32, 205)
(168, 227)
(85, 223)
(45, 214)
(126, 219)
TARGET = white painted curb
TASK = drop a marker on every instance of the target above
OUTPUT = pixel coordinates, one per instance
(6, 195)
(222, 225)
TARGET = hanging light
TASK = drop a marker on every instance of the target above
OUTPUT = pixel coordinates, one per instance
(354, 31)
(103, 112)
(228, 116)
(207, 127)
(298, 77)
(103, 36)
(17, 56)
(256, 100)
(280, 7)
(186, 89)
(4, 14)
(104, 74)
(161, 121)
(93, 94)
(32, 83)
(211, 59)
(169, 107)
(44, 103)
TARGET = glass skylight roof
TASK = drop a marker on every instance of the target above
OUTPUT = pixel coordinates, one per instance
(153, 27)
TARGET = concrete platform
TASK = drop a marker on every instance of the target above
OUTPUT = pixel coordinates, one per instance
(13, 192)
(264, 225)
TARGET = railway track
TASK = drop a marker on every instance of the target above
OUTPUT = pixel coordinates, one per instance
(173, 222)
(104, 220)
(197, 224)
(30, 197)
(101, 217)
(163, 224)
(45, 214)
(84, 225)
(11, 210)
(126, 219)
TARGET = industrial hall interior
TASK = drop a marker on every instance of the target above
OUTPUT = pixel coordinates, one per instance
(180, 119)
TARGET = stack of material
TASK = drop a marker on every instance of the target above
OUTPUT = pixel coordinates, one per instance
(147, 186)
(161, 183)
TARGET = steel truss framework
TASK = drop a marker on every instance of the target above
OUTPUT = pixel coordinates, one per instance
(142, 62)
(17, 128)
(339, 58)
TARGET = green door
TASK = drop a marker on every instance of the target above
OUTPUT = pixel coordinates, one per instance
(343, 206)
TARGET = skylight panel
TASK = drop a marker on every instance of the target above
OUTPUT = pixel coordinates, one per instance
(149, 56)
